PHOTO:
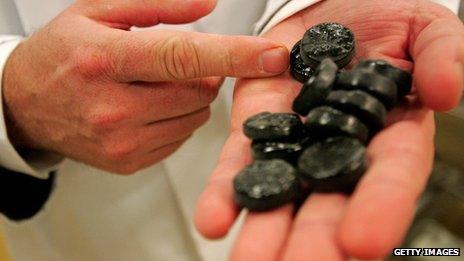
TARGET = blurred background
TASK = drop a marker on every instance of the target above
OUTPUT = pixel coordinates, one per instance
(440, 214)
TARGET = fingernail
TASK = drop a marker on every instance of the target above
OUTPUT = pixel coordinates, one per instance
(274, 60)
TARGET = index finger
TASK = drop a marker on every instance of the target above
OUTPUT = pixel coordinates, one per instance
(166, 55)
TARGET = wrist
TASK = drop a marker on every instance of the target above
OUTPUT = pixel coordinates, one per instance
(13, 105)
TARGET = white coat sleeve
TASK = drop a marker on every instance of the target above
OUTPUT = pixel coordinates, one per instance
(278, 10)
(9, 156)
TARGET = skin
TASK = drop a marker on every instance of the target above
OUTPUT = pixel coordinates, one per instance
(88, 88)
(415, 35)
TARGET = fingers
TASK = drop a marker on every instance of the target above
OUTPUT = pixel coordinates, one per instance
(313, 233)
(161, 133)
(161, 101)
(142, 13)
(140, 104)
(383, 205)
(216, 210)
(126, 149)
(148, 159)
(164, 55)
(263, 235)
(438, 52)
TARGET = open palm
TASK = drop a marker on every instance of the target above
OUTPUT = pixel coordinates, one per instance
(416, 35)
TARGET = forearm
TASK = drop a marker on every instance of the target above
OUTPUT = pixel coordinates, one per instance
(38, 164)
(24, 189)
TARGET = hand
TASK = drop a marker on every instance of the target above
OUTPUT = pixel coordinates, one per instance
(415, 35)
(87, 87)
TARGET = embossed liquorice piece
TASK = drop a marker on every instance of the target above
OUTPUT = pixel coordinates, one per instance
(328, 40)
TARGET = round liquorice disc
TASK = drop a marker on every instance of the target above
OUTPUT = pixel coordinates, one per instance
(266, 184)
(289, 151)
(402, 78)
(381, 87)
(325, 121)
(316, 89)
(299, 70)
(273, 126)
(362, 105)
(327, 40)
(334, 164)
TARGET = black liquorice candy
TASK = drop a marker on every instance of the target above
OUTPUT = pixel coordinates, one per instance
(362, 105)
(343, 110)
(325, 121)
(286, 150)
(266, 184)
(403, 79)
(334, 164)
(327, 40)
(299, 70)
(381, 87)
(316, 89)
(273, 126)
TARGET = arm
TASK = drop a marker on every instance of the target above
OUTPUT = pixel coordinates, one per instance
(24, 188)
(87, 87)
(117, 102)
(9, 156)
(376, 217)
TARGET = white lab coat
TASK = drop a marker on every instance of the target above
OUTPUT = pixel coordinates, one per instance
(94, 215)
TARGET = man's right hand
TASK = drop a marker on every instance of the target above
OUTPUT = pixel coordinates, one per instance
(87, 87)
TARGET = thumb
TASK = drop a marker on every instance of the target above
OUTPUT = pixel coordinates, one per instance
(438, 52)
(125, 14)
(173, 55)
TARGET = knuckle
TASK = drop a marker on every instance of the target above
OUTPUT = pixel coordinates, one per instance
(230, 64)
(90, 62)
(101, 122)
(118, 150)
(179, 57)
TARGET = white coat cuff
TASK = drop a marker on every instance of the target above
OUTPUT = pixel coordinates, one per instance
(9, 156)
(279, 10)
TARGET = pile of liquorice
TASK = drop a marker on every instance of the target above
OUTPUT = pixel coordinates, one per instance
(343, 110)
